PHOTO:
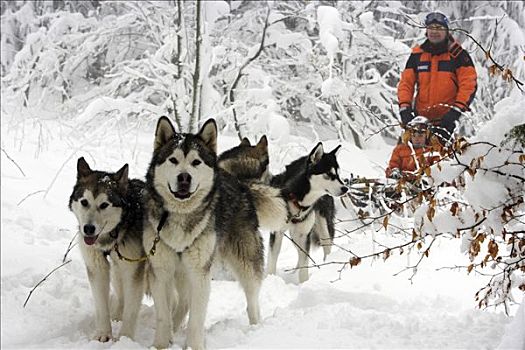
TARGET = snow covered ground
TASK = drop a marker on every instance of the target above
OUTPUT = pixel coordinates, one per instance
(367, 308)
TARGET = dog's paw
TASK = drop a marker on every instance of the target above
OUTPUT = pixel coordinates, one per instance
(103, 336)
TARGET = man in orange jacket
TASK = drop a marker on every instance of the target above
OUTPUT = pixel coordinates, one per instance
(407, 158)
(445, 77)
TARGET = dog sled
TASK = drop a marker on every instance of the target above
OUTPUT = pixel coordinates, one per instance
(382, 195)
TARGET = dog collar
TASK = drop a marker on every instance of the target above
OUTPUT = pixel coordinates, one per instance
(303, 213)
(162, 221)
(293, 198)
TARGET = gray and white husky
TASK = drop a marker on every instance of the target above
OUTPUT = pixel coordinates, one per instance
(109, 211)
(306, 206)
(198, 211)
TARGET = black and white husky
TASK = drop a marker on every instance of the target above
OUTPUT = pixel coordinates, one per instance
(309, 185)
(109, 211)
(198, 211)
(299, 200)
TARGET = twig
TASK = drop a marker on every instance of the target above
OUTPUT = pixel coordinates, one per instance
(42, 281)
(70, 246)
(414, 267)
(298, 246)
(29, 195)
(11, 159)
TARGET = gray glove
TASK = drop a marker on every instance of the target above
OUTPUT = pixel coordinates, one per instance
(395, 174)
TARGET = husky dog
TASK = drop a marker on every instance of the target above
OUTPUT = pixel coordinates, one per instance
(197, 210)
(250, 163)
(309, 185)
(246, 162)
(109, 212)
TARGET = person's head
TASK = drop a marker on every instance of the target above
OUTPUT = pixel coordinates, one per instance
(418, 131)
(437, 27)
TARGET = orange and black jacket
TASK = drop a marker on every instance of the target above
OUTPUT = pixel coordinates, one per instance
(445, 76)
(405, 160)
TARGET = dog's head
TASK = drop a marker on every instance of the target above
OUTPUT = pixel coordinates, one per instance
(97, 201)
(247, 162)
(323, 171)
(183, 166)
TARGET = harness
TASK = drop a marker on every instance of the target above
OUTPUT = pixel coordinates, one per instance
(153, 249)
(303, 211)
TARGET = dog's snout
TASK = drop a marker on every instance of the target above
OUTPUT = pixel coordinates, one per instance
(344, 189)
(184, 178)
(89, 229)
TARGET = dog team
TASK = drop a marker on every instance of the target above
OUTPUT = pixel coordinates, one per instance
(196, 208)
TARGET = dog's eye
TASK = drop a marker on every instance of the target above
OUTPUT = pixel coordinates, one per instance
(104, 205)
(174, 160)
(196, 162)
(84, 202)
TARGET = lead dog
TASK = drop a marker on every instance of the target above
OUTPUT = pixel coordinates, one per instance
(198, 211)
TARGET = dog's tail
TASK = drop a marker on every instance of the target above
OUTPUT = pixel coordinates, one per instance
(272, 211)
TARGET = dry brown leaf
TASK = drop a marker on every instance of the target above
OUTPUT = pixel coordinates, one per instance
(355, 261)
(454, 208)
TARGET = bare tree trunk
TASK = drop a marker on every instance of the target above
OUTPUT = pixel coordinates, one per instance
(176, 61)
(194, 118)
(231, 93)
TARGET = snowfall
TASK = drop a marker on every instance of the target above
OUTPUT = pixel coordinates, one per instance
(363, 307)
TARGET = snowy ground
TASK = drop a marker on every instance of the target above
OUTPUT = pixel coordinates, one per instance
(367, 308)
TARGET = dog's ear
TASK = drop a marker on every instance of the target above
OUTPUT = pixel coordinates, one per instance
(83, 168)
(335, 150)
(245, 142)
(316, 154)
(208, 134)
(262, 145)
(164, 132)
(121, 177)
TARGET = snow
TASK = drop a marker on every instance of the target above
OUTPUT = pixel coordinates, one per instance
(367, 308)
(333, 87)
(509, 113)
(516, 326)
(330, 28)
(378, 304)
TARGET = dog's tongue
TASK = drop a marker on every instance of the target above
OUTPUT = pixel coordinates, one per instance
(90, 240)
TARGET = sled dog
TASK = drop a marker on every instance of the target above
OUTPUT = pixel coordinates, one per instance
(246, 162)
(199, 212)
(307, 186)
(109, 211)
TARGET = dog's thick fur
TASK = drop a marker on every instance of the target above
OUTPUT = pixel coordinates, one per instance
(282, 205)
(208, 212)
(246, 162)
(250, 164)
(109, 210)
(309, 184)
